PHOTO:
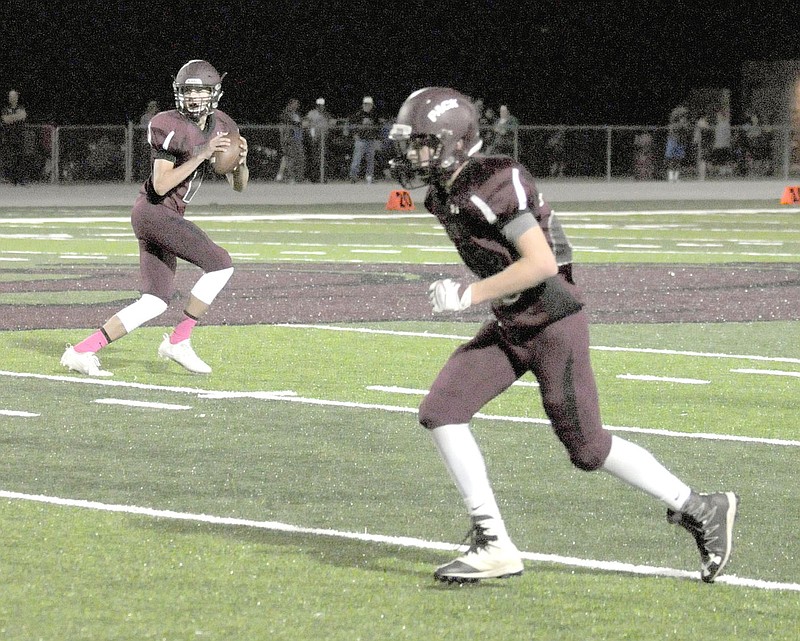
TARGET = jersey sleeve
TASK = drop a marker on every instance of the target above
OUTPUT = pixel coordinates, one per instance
(504, 200)
(161, 134)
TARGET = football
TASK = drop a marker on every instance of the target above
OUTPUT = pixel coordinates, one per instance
(224, 162)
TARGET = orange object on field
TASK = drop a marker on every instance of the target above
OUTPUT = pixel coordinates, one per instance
(400, 200)
(791, 196)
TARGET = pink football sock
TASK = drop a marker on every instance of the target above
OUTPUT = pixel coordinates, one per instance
(183, 330)
(94, 343)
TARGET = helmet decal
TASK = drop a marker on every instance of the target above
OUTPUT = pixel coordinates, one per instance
(442, 107)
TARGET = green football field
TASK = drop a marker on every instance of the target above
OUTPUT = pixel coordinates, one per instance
(292, 495)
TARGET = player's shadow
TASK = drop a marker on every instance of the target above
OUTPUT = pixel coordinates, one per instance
(370, 557)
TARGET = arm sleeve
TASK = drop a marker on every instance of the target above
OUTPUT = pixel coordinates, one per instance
(518, 226)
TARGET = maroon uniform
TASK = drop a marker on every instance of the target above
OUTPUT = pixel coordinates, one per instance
(164, 234)
(509, 237)
(492, 202)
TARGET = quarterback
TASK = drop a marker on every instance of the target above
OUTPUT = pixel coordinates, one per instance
(510, 239)
(182, 141)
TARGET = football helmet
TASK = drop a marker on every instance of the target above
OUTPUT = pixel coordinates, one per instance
(436, 131)
(197, 88)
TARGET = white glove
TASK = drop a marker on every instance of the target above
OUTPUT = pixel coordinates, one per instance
(444, 296)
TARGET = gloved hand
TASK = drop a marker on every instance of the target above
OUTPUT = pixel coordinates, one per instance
(444, 296)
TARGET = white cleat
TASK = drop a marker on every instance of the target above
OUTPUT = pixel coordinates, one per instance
(183, 354)
(488, 557)
(83, 362)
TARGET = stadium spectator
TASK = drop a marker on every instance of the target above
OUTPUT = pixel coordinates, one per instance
(151, 110)
(509, 237)
(293, 162)
(644, 167)
(183, 140)
(701, 140)
(14, 153)
(556, 152)
(505, 129)
(722, 150)
(756, 147)
(318, 122)
(677, 142)
(365, 126)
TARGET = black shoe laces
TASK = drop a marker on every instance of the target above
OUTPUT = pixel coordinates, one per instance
(478, 538)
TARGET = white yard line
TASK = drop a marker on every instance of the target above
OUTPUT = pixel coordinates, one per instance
(290, 397)
(662, 379)
(641, 350)
(142, 404)
(767, 372)
(384, 539)
(18, 413)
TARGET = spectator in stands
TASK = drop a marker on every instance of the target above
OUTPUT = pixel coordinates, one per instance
(480, 108)
(702, 144)
(677, 142)
(365, 125)
(293, 163)
(505, 133)
(319, 122)
(151, 110)
(14, 116)
(722, 152)
(756, 152)
(644, 167)
(556, 152)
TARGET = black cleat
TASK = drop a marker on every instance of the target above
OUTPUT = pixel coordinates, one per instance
(709, 519)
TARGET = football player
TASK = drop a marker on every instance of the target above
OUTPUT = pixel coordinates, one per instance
(182, 141)
(508, 236)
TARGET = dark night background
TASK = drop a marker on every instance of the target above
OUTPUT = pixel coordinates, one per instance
(550, 61)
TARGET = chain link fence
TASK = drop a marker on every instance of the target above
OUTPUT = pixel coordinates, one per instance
(118, 153)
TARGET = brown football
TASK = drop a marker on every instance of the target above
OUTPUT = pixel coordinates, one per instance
(224, 162)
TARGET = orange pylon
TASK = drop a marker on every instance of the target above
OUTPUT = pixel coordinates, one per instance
(400, 200)
(791, 196)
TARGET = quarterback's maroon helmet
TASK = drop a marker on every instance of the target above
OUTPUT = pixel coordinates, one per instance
(441, 119)
(193, 81)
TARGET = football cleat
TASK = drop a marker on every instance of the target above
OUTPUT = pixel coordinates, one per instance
(183, 354)
(488, 557)
(83, 362)
(709, 519)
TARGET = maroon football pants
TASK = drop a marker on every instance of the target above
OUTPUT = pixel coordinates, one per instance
(558, 356)
(164, 236)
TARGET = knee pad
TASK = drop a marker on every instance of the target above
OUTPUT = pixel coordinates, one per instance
(210, 284)
(141, 311)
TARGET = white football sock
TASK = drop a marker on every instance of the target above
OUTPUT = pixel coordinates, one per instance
(639, 468)
(467, 468)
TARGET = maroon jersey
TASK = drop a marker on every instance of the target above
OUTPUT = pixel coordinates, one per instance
(492, 202)
(175, 137)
